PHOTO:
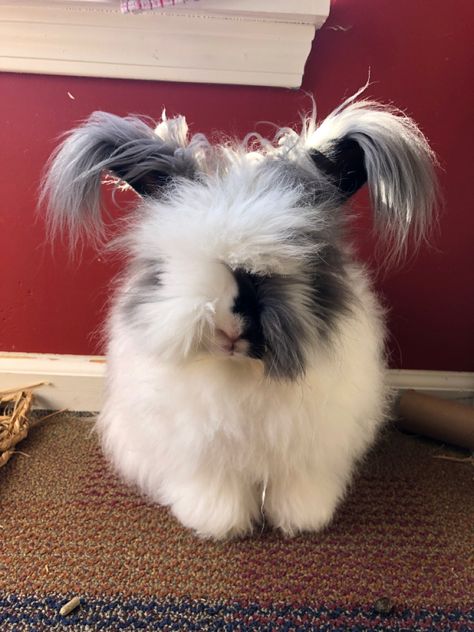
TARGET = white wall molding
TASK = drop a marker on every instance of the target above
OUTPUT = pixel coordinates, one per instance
(253, 42)
(76, 382)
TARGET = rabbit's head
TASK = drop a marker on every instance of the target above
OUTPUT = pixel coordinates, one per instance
(238, 253)
(244, 263)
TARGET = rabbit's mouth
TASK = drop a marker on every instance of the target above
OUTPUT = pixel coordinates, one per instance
(232, 344)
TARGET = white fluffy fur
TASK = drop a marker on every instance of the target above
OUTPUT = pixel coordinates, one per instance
(205, 433)
(191, 424)
(205, 436)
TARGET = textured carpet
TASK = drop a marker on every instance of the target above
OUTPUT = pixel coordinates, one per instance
(69, 527)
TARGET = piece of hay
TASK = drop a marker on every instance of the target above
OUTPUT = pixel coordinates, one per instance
(70, 606)
(15, 406)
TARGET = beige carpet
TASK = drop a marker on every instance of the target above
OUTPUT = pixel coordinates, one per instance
(69, 527)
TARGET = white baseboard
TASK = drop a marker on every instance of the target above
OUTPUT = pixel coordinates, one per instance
(446, 384)
(71, 381)
(76, 382)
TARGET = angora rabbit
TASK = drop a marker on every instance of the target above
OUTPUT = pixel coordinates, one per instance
(246, 346)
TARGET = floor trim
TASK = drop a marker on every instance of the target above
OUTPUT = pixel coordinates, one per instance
(76, 382)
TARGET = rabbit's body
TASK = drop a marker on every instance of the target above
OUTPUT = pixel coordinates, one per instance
(208, 436)
(245, 358)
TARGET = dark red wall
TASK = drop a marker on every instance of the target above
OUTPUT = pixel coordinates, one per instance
(420, 58)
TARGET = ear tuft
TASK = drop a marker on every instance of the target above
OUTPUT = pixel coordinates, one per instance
(126, 147)
(366, 142)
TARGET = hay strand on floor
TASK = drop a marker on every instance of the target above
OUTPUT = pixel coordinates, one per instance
(15, 406)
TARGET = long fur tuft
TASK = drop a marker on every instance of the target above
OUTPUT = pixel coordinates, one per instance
(126, 147)
(398, 162)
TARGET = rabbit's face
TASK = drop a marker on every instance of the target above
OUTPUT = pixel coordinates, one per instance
(186, 312)
(244, 270)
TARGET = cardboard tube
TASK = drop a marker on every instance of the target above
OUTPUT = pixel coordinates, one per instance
(441, 419)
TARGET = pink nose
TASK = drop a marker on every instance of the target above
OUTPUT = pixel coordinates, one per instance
(229, 339)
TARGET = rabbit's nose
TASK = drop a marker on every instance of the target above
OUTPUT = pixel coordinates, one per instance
(229, 339)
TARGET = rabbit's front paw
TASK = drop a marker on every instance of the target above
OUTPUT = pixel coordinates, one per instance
(302, 502)
(216, 512)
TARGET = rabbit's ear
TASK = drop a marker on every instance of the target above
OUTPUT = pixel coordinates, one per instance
(128, 148)
(366, 142)
(344, 163)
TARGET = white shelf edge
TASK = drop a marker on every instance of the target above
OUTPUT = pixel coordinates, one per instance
(246, 46)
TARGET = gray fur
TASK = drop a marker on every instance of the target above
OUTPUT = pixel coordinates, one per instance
(284, 332)
(126, 147)
(147, 281)
(398, 161)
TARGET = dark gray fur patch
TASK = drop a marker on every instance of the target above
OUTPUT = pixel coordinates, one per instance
(248, 305)
(275, 332)
(266, 302)
(331, 293)
(272, 330)
(146, 282)
(283, 332)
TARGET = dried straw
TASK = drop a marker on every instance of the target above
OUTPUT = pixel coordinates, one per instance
(15, 405)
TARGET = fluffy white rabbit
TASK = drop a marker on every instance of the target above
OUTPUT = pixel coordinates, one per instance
(245, 373)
